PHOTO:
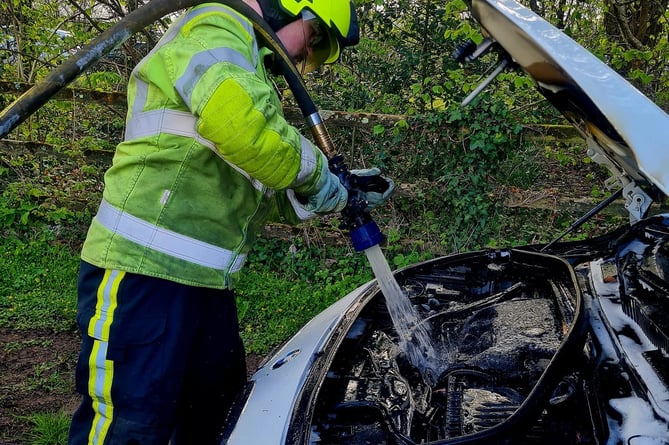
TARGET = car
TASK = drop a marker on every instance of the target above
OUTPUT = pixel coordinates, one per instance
(559, 343)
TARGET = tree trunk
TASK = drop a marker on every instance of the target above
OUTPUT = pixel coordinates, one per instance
(635, 24)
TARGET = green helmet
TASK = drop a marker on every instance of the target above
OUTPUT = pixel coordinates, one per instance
(337, 16)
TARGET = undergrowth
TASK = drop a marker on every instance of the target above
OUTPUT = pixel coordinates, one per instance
(38, 284)
(288, 284)
(49, 428)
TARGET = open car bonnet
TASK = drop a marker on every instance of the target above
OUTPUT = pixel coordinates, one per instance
(624, 129)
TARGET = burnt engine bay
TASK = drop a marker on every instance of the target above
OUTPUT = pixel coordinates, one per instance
(495, 322)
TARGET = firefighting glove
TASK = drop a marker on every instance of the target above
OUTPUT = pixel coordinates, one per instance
(375, 189)
(331, 195)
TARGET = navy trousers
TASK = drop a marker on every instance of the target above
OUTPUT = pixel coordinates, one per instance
(159, 361)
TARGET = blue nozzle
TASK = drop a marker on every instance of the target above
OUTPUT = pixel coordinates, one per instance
(363, 230)
(366, 235)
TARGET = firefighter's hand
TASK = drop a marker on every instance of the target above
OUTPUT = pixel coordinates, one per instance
(330, 197)
(375, 188)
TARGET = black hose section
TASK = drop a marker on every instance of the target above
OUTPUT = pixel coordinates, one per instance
(84, 58)
(30, 101)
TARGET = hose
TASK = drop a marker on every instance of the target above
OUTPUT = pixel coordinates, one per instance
(112, 38)
(363, 230)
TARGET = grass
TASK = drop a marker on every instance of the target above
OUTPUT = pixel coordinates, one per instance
(38, 284)
(48, 377)
(286, 283)
(48, 428)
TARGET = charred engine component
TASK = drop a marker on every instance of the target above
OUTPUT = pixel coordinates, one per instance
(497, 320)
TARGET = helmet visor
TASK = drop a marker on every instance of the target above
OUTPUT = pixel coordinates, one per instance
(322, 46)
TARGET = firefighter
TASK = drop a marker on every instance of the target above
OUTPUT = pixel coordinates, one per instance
(207, 159)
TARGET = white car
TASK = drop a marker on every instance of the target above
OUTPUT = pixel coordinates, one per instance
(566, 343)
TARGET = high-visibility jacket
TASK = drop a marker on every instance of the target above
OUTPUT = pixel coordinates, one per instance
(207, 157)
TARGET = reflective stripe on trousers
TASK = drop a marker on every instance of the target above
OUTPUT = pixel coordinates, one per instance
(158, 359)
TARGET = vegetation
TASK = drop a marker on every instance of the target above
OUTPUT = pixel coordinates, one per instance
(49, 428)
(456, 168)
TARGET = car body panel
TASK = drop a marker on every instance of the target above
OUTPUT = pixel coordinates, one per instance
(276, 385)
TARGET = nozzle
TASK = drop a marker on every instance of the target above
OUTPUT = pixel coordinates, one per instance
(366, 235)
(364, 232)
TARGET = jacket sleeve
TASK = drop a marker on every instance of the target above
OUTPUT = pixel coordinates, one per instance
(288, 210)
(225, 86)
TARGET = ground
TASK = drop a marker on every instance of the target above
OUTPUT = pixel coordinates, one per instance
(37, 376)
(37, 371)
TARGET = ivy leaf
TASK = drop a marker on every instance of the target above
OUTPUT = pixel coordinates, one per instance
(455, 115)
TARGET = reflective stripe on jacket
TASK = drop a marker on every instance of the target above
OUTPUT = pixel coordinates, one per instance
(207, 157)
